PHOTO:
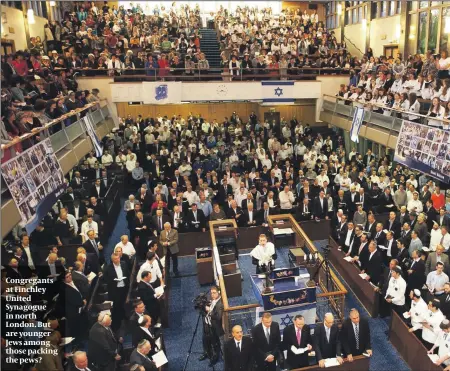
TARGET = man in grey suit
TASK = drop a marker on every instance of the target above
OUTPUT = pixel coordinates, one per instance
(433, 259)
(139, 356)
(169, 241)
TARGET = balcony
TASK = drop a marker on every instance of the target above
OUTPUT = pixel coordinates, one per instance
(70, 145)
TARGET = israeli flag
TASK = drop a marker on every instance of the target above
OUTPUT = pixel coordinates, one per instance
(278, 91)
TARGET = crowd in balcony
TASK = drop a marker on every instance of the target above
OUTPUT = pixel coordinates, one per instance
(161, 42)
(419, 85)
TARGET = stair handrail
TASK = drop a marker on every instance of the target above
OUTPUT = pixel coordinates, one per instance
(351, 42)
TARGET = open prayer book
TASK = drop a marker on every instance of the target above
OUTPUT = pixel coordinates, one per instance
(363, 275)
(406, 315)
(298, 351)
(91, 276)
(348, 258)
(159, 291)
(433, 357)
(160, 359)
(331, 362)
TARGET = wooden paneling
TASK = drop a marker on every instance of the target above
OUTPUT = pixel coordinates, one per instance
(302, 5)
(303, 112)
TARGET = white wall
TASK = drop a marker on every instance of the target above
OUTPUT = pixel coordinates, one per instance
(101, 83)
(37, 29)
(357, 36)
(15, 20)
(384, 31)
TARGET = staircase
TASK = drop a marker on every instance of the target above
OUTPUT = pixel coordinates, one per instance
(210, 46)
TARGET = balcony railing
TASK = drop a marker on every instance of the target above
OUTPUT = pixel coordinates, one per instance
(391, 118)
(183, 74)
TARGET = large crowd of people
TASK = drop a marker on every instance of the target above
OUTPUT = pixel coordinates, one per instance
(182, 172)
(419, 85)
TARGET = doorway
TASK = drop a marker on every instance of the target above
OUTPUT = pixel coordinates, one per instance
(390, 51)
(270, 116)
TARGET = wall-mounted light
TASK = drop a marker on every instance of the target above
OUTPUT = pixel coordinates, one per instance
(30, 16)
(52, 3)
(339, 9)
(364, 23)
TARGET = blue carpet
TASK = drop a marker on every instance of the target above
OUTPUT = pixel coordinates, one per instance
(183, 317)
(119, 230)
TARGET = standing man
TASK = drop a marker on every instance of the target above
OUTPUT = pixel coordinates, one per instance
(326, 341)
(266, 339)
(238, 351)
(117, 278)
(169, 241)
(355, 336)
(298, 336)
(212, 328)
(395, 294)
(102, 346)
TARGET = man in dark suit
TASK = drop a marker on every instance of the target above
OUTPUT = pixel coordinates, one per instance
(71, 302)
(250, 216)
(385, 277)
(102, 346)
(235, 212)
(326, 340)
(355, 336)
(371, 264)
(196, 219)
(98, 190)
(139, 356)
(212, 325)
(320, 207)
(117, 278)
(94, 250)
(147, 294)
(297, 335)
(379, 237)
(368, 157)
(445, 300)
(416, 272)
(238, 351)
(304, 211)
(80, 280)
(224, 190)
(392, 248)
(392, 224)
(267, 341)
(158, 220)
(263, 214)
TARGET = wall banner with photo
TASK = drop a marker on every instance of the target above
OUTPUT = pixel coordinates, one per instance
(36, 181)
(424, 148)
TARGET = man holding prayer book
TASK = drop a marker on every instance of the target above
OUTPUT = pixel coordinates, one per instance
(297, 341)
(355, 336)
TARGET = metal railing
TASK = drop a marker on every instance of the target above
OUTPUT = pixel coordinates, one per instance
(67, 135)
(391, 119)
(187, 74)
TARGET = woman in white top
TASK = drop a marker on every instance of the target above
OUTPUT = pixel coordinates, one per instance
(445, 95)
(414, 107)
(381, 100)
(427, 88)
(436, 110)
(443, 65)
(267, 162)
(404, 105)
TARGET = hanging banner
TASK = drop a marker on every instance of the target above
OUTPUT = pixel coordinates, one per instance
(424, 148)
(93, 135)
(356, 124)
(36, 182)
(278, 92)
(161, 92)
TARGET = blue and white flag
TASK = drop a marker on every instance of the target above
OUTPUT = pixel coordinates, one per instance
(278, 91)
(161, 92)
(356, 124)
(93, 135)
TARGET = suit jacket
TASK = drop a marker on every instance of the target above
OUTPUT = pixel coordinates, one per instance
(373, 266)
(232, 214)
(44, 269)
(157, 225)
(290, 339)
(261, 348)
(319, 211)
(301, 215)
(348, 337)
(82, 283)
(395, 227)
(222, 194)
(322, 347)
(94, 193)
(445, 304)
(109, 276)
(381, 239)
(136, 358)
(172, 237)
(417, 278)
(216, 318)
(371, 229)
(71, 301)
(246, 218)
(102, 346)
(235, 360)
(138, 334)
(147, 295)
(430, 264)
(191, 222)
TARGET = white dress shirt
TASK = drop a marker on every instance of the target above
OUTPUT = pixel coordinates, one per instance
(30, 258)
(418, 312)
(434, 319)
(127, 249)
(118, 269)
(86, 227)
(396, 290)
(153, 268)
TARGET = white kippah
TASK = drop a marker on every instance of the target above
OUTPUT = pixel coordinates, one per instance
(417, 292)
